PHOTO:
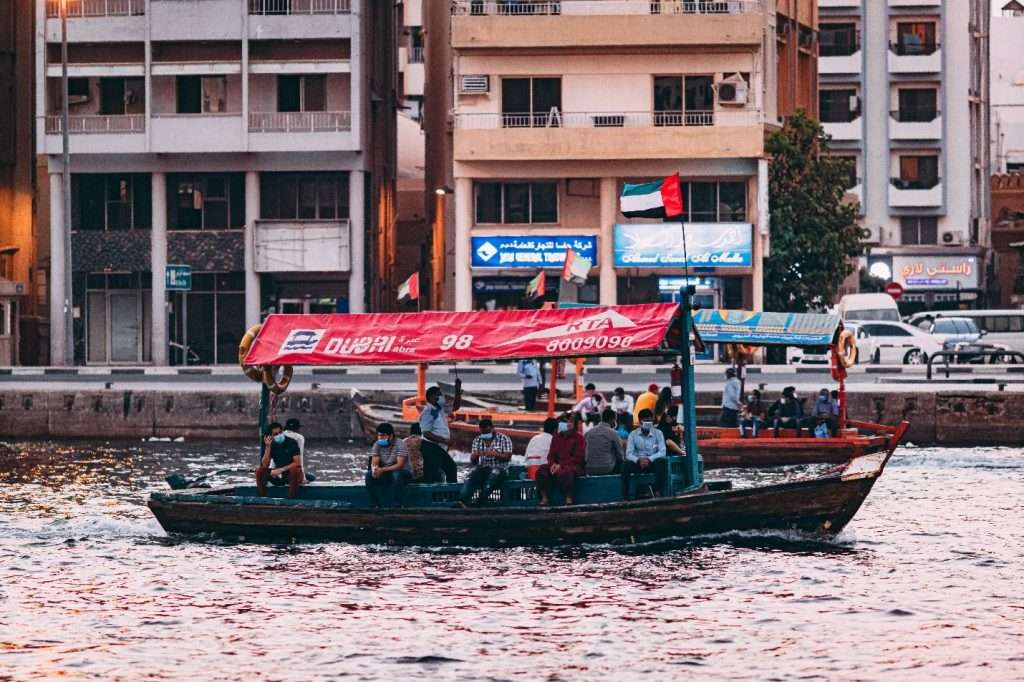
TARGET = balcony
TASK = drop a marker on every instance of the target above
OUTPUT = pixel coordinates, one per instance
(98, 134)
(840, 65)
(927, 60)
(608, 135)
(915, 3)
(206, 20)
(197, 133)
(514, 24)
(845, 131)
(299, 19)
(912, 194)
(302, 246)
(96, 8)
(300, 131)
(96, 20)
(839, 4)
(900, 128)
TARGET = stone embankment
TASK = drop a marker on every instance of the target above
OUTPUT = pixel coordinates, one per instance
(950, 417)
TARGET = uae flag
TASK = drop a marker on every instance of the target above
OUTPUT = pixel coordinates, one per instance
(576, 267)
(662, 199)
(535, 289)
(410, 288)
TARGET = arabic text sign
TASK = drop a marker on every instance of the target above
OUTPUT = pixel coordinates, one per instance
(708, 245)
(530, 251)
(765, 329)
(936, 272)
(178, 278)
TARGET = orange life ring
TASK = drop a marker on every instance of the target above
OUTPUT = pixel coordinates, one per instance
(846, 349)
(270, 380)
(251, 371)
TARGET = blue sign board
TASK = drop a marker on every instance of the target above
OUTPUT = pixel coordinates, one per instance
(178, 278)
(765, 329)
(708, 245)
(530, 251)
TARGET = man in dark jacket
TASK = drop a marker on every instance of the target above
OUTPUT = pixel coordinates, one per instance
(286, 457)
(786, 412)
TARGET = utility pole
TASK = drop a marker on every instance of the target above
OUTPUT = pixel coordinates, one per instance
(69, 329)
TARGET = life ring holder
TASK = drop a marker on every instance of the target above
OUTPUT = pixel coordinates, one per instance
(277, 385)
(846, 349)
(254, 372)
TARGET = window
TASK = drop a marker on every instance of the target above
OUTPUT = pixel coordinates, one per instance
(117, 201)
(214, 201)
(668, 100)
(945, 327)
(201, 94)
(531, 102)
(301, 93)
(703, 202)
(714, 202)
(671, 93)
(78, 89)
(919, 230)
(885, 330)
(918, 172)
(837, 40)
(838, 106)
(700, 100)
(516, 202)
(120, 96)
(918, 104)
(304, 196)
(915, 38)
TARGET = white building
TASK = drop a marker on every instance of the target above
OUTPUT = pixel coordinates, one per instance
(1007, 87)
(236, 137)
(904, 94)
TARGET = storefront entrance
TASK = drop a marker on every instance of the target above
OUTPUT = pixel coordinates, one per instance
(207, 322)
(118, 318)
(8, 331)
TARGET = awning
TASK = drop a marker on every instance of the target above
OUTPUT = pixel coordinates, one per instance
(766, 329)
(440, 337)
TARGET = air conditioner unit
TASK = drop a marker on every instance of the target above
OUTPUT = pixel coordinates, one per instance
(871, 234)
(953, 238)
(475, 85)
(78, 99)
(732, 90)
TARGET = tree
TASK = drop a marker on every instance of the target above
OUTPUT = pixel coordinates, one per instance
(814, 234)
(869, 284)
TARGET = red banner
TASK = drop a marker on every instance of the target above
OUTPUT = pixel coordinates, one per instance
(405, 338)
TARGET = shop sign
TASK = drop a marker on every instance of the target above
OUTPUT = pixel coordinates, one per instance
(178, 278)
(935, 272)
(530, 251)
(501, 285)
(707, 245)
(672, 285)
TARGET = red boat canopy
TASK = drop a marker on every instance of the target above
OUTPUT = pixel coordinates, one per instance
(438, 337)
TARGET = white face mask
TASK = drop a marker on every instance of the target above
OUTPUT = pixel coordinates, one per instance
(646, 426)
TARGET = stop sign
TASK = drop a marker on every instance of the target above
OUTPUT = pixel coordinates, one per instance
(894, 289)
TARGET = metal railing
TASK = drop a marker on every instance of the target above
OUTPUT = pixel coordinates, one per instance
(299, 7)
(127, 123)
(913, 50)
(994, 355)
(924, 184)
(417, 55)
(915, 115)
(300, 121)
(607, 119)
(97, 8)
(601, 7)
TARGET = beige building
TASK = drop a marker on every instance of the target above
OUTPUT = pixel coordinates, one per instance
(549, 107)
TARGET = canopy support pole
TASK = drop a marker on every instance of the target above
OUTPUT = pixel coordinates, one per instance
(264, 414)
(421, 382)
(553, 388)
(578, 382)
(842, 402)
(694, 478)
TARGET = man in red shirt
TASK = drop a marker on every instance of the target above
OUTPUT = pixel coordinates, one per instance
(566, 461)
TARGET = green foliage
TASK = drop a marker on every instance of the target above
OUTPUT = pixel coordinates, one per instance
(869, 284)
(814, 235)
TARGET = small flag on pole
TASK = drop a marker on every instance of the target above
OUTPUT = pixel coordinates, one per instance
(576, 267)
(410, 288)
(660, 199)
(535, 289)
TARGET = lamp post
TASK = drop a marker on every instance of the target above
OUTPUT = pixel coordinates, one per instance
(437, 250)
(69, 331)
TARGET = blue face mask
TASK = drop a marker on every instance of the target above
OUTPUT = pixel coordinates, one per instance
(279, 438)
(646, 426)
(383, 442)
(486, 436)
(563, 427)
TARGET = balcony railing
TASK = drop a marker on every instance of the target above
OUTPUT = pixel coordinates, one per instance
(417, 55)
(130, 123)
(97, 8)
(915, 115)
(602, 7)
(300, 121)
(299, 6)
(914, 50)
(915, 183)
(607, 119)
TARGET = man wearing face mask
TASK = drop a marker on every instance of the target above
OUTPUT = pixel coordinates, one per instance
(645, 452)
(286, 457)
(438, 465)
(389, 465)
(567, 460)
(491, 453)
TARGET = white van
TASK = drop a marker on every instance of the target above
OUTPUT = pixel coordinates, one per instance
(868, 308)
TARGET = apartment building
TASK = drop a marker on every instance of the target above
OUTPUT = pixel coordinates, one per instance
(904, 94)
(796, 38)
(553, 105)
(1007, 87)
(248, 141)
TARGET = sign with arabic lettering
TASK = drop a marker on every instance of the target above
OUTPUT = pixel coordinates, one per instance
(707, 245)
(936, 272)
(530, 251)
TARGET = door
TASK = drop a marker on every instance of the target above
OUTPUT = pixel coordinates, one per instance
(112, 96)
(125, 327)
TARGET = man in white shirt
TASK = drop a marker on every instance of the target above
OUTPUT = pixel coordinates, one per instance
(291, 430)
(538, 447)
(529, 372)
(622, 403)
(592, 403)
(437, 463)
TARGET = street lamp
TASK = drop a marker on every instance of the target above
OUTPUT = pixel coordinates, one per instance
(437, 249)
(69, 331)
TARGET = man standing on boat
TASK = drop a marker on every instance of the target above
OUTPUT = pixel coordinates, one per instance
(645, 453)
(729, 417)
(389, 466)
(286, 457)
(491, 453)
(529, 372)
(437, 436)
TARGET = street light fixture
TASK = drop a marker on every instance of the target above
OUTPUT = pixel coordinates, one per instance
(69, 331)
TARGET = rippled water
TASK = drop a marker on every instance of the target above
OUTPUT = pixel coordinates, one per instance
(927, 581)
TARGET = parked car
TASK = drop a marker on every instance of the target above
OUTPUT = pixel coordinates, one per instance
(962, 335)
(1001, 327)
(900, 343)
(819, 355)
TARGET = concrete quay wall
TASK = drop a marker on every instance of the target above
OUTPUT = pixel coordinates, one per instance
(949, 417)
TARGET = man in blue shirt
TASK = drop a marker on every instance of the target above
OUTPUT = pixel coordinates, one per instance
(437, 436)
(645, 452)
(529, 372)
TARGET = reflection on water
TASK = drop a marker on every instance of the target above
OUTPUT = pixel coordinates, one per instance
(925, 581)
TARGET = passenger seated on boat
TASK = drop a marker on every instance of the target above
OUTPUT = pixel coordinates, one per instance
(645, 452)
(539, 446)
(786, 412)
(438, 465)
(292, 427)
(604, 447)
(663, 403)
(647, 401)
(566, 461)
(624, 427)
(389, 466)
(825, 411)
(414, 445)
(286, 457)
(592, 402)
(622, 402)
(752, 414)
(672, 432)
(491, 453)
